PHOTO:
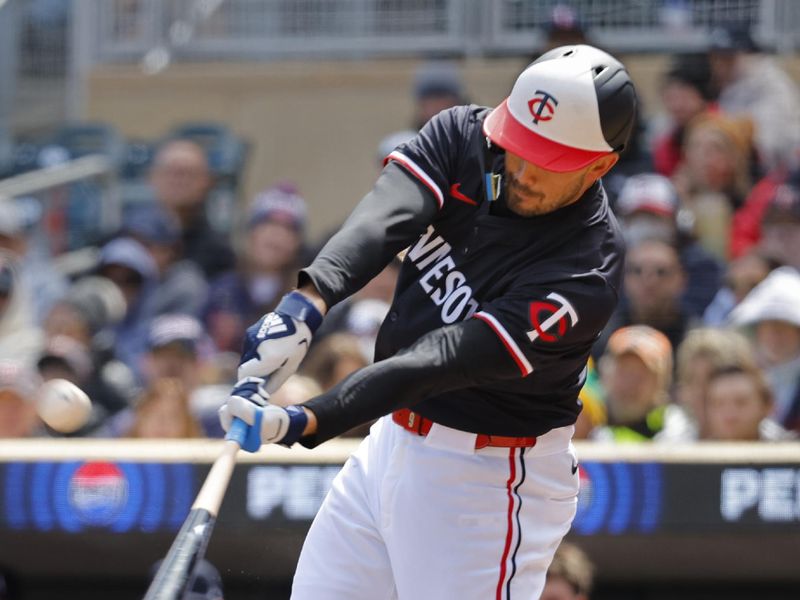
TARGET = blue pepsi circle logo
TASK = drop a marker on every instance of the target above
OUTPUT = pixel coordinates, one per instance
(98, 491)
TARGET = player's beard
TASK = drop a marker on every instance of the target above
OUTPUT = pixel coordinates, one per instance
(529, 202)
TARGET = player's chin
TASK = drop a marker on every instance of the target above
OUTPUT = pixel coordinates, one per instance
(527, 207)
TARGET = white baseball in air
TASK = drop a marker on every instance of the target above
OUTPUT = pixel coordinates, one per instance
(63, 405)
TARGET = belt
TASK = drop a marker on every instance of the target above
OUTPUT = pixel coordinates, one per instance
(415, 423)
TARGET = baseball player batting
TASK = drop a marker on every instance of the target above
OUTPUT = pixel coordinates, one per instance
(468, 480)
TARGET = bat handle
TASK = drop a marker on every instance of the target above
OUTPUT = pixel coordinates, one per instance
(237, 431)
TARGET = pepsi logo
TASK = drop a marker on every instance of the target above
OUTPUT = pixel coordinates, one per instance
(98, 491)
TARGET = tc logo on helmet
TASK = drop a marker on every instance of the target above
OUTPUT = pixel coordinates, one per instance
(542, 106)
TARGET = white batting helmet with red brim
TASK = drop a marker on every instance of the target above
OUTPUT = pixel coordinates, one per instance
(568, 108)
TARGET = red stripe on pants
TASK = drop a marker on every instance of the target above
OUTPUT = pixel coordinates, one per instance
(510, 531)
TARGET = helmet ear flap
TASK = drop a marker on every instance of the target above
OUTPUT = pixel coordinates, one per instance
(617, 103)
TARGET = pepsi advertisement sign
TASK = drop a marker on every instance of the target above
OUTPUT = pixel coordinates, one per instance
(617, 498)
(78, 496)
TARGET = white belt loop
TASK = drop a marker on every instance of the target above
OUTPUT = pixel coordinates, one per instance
(447, 438)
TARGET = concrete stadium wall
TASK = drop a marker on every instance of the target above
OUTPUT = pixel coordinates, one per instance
(316, 123)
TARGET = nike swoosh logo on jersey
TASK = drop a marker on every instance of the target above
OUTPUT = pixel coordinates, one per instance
(574, 468)
(455, 193)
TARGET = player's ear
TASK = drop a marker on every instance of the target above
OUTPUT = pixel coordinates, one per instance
(603, 165)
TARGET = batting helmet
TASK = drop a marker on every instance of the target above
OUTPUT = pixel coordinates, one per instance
(569, 107)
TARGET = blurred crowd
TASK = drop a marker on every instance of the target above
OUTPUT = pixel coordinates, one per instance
(705, 344)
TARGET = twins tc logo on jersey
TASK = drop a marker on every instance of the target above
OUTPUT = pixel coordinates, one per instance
(542, 106)
(550, 320)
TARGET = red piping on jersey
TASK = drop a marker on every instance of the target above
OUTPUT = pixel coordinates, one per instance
(418, 173)
(524, 369)
(509, 531)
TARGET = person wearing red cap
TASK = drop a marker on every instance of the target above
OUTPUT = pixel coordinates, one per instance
(468, 480)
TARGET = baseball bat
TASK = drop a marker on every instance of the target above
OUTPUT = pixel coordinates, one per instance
(175, 573)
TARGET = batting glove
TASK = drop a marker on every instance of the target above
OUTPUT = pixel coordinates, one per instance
(277, 343)
(267, 423)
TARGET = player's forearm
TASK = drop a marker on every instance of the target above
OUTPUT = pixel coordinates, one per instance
(449, 358)
(387, 220)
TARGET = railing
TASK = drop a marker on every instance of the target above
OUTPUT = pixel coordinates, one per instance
(157, 32)
(78, 199)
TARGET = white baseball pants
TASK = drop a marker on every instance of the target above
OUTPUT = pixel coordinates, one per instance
(431, 518)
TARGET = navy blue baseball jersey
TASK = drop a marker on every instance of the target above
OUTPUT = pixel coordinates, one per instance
(494, 314)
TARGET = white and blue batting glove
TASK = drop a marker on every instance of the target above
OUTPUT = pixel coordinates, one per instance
(276, 344)
(267, 423)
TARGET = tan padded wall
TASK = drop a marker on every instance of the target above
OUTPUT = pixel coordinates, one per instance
(316, 123)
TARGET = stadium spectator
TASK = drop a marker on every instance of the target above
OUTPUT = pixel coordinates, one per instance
(162, 411)
(780, 227)
(42, 282)
(20, 338)
(437, 86)
(181, 285)
(362, 313)
(267, 267)
(743, 274)
(18, 384)
(296, 389)
(654, 285)
(703, 352)
(86, 316)
(714, 178)
(747, 220)
(181, 181)
(174, 347)
(648, 206)
(751, 84)
(570, 575)
(332, 359)
(592, 397)
(130, 266)
(636, 372)
(685, 94)
(738, 402)
(772, 312)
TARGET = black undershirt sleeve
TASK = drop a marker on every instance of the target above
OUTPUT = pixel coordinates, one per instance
(452, 357)
(388, 219)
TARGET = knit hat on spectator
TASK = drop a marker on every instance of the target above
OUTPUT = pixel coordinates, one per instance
(98, 300)
(127, 252)
(175, 329)
(774, 299)
(280, 203)
(650, 345)
(648, 192)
